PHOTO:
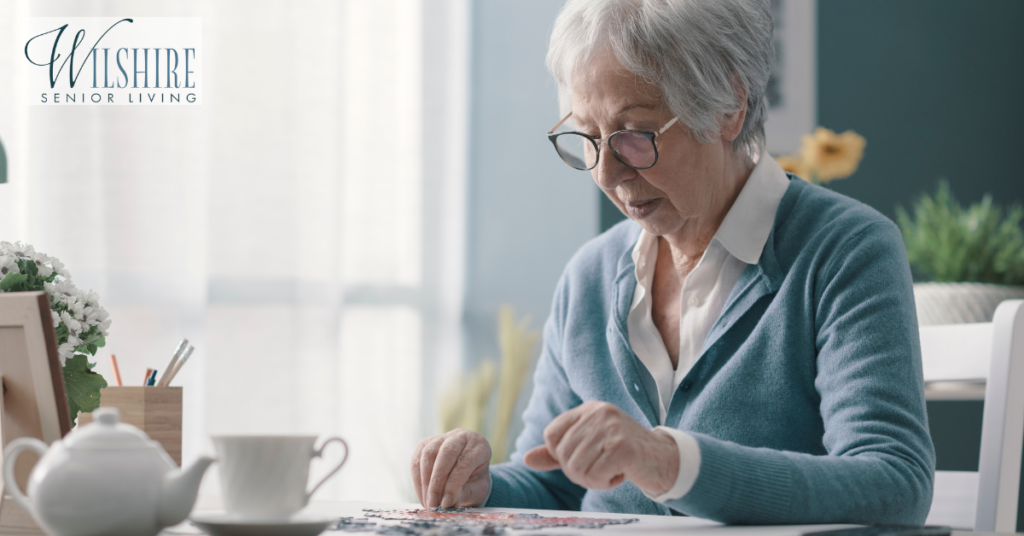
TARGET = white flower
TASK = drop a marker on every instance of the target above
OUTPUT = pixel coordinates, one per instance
(64, 290)
(91, 315)
(105, 327)
(7, 264)
(21, 249)
(65, 351)
(51, 291)
(42, 265)
(56, 318)
(77, 308)
(59, 268)
(74, 326)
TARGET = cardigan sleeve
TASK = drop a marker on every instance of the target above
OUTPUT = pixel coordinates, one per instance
(880, 460)
(513, 484)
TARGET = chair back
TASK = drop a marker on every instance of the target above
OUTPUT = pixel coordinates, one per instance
(1002, 433)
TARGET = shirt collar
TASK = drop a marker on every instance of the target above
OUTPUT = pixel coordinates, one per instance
(746, 226)
(644, 255)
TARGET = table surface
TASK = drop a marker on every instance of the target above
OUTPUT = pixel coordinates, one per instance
(648, 525)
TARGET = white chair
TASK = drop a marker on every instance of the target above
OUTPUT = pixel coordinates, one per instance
(1002, 431)
(994, 353)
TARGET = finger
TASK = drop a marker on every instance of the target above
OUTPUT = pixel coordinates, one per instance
(470, 462)
(448, 455)
(427, 457)
(477, 488)
(559, 425)
(580, 435)
(607, 470)
(582, 460)
(540, 459)
(415, 470)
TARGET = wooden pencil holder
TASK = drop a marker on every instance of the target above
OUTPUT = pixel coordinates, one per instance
(154, 410)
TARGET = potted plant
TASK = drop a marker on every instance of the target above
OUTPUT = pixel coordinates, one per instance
(80, 323)
(966, 261)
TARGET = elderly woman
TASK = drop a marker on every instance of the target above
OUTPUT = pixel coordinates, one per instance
(744, 348)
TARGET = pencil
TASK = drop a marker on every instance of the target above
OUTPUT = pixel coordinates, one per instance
(152, 379)
(149, 372)
(117, 371)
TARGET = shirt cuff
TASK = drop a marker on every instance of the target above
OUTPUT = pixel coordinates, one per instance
(689, 465)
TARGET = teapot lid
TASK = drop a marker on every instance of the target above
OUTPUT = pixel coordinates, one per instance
(107, 431)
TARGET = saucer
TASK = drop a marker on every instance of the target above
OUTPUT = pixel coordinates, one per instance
(223, 524)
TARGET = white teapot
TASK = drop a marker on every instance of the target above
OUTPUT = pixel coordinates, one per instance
(105, 478)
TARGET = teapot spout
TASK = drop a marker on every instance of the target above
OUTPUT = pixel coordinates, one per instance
(179, 492)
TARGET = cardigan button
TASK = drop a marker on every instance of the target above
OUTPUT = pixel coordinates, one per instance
(687, 385)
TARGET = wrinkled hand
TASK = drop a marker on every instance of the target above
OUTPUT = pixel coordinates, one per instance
(452, 470)
(598, 446)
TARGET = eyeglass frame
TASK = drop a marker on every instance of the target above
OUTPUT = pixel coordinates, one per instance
(597, 142)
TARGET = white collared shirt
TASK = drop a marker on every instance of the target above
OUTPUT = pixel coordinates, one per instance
(738, 242)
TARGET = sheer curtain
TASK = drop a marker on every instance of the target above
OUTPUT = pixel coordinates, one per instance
(304, 226)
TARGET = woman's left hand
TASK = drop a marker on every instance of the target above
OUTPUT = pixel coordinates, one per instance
(598, 446)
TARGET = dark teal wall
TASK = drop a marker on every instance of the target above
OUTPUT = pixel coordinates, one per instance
(936, 87)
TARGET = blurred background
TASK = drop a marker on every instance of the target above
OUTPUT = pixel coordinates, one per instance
(366, 183)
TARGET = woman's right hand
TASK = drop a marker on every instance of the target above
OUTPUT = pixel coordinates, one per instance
(452, 470)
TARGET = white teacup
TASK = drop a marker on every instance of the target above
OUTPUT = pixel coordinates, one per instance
(265, 477)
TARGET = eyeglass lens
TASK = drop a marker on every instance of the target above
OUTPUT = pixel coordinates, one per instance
(577, 151)
(632, 148)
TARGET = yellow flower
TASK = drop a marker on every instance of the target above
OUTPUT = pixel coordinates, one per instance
(464, 403)
(518, 349)
(831, 156)
(793, 164)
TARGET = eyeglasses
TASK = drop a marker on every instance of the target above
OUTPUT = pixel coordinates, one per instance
(634, 148)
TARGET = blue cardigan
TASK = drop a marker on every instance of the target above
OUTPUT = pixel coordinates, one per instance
(807, 400)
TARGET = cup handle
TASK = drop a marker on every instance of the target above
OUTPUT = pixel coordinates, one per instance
(10, 456)
(318, 454)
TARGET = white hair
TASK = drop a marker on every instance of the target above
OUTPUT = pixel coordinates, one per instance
(699, 52)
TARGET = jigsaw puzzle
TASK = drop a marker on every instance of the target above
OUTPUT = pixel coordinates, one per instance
(462, 522)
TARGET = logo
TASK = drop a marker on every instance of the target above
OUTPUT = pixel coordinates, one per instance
(103, 61)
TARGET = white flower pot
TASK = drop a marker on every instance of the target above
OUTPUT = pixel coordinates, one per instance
(960, 303)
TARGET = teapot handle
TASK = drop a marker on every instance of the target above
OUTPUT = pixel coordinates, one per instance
(10, 456)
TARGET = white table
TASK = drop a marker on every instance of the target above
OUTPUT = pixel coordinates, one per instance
(648, 525)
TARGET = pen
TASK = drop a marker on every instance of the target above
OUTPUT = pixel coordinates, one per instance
(152, 379)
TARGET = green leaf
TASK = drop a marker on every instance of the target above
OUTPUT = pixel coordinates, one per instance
(11, 281)
(82, 385)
